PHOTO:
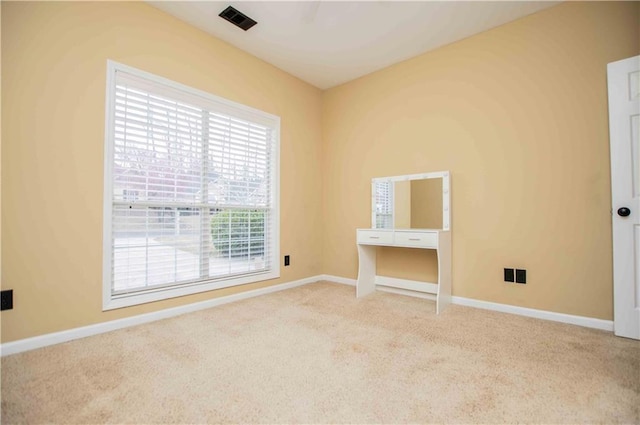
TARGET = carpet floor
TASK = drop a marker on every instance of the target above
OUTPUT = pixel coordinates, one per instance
(316, 354)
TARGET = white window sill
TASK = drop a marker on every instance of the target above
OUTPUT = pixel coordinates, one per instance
(112, 302)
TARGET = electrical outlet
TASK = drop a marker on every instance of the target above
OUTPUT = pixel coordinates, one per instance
(6, 300)
(521, 276)
(287, 261)
(508, 275)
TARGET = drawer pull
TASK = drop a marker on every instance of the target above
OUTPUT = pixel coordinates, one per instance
(414, 239)
(374, 237)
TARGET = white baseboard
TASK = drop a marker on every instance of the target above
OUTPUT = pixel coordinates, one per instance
(27, 344)
(338, 279)
(588, 322)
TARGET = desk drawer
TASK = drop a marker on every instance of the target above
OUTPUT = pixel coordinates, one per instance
(417, 239)
(375, 237)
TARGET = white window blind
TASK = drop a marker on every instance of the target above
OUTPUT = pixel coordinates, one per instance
(384, 204)
(191, 181)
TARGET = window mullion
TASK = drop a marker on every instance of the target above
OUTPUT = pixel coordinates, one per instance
(205, 219)
(176, 232)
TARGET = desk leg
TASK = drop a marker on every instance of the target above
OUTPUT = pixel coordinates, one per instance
(444, 272)
(366, 283)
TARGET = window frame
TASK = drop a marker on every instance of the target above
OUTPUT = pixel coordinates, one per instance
(111, 301)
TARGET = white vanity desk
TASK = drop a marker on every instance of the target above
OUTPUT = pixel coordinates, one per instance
(437, 239)
(368, 281)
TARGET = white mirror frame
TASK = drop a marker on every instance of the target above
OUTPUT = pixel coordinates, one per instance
(444, 175)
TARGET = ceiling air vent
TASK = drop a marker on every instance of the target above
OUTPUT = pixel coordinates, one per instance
(237, 18)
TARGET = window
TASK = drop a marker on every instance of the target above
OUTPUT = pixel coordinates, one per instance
(191, 190)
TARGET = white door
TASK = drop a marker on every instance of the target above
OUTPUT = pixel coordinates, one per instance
(624, 131)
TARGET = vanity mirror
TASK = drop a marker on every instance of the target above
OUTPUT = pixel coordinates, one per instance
(415, 201)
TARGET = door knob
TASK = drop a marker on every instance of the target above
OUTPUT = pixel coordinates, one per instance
(624, 211)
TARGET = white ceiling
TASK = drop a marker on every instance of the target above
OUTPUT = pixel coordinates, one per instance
(327, 43)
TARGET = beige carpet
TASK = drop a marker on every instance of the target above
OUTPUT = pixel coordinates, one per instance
(316, 354)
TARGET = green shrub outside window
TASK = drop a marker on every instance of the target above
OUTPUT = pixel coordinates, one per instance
(238, 233)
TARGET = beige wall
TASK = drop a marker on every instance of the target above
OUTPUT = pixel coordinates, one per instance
(53, 85)
(518, 115)
(1, 169)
